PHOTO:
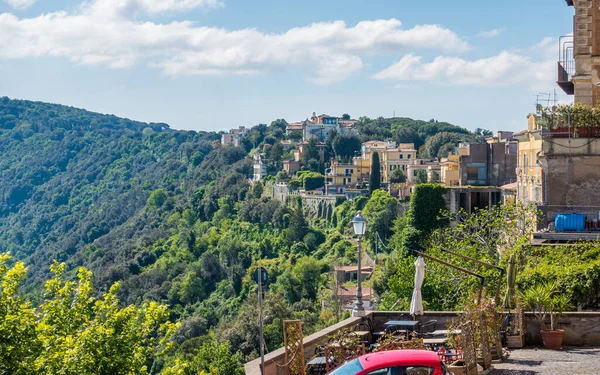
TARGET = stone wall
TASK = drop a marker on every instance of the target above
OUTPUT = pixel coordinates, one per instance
(586, 31)
(572, 171)
(275, 361)
(581, 329)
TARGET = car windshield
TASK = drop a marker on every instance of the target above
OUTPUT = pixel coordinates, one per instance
(349, 368)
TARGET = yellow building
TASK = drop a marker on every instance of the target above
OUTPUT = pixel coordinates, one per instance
(343, 174)
(450, 170)
(390, 158)
(529, 171)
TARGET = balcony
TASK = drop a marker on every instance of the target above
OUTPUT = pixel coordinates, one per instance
(566, 65)
(577, 223)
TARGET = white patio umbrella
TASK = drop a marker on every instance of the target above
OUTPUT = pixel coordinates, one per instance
(416, 304)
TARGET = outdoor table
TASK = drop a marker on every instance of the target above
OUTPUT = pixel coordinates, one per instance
(317, 365)
(435, 341)
(445, 332)
(408, 324)
(362, 335)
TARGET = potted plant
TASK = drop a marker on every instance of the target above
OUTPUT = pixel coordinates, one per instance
(546, 301)
(514, 336)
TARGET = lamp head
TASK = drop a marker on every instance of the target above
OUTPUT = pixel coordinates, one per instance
(360, 224)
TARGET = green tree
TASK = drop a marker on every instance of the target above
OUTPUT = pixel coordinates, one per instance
(313, 180)
(420, 176)
(375, 177)
(398, 176)
(298, 228)
(346, 146)
(75, 333)
(380, 212)
(345, 116)
(310, 152)
(426, 214)
(307, 271)
(276, 154)
(215, 359)
(157, 198)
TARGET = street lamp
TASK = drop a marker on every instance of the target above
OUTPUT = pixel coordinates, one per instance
(360, 226)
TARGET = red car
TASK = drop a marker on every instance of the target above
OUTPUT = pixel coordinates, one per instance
(395, 362)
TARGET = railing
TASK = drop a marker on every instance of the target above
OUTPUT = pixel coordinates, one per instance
(591, 218)
(566, 64)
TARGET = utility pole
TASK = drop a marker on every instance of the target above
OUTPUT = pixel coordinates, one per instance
(262, 278)
(260, 307)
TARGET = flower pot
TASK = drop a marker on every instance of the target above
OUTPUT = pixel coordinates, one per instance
(516, 341)
(459, 368)
(553, 339)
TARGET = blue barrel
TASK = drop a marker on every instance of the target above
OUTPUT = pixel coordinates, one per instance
(560, 223)
(570, 222)
(576, 222)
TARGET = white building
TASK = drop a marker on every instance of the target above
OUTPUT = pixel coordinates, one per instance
(233, 136)
(260, 167)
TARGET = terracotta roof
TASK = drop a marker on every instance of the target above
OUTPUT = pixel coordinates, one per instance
(512, 186)
(353, 268)
(350, 291)
(294, 126)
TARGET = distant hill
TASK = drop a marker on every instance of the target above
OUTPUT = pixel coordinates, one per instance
(69, 177)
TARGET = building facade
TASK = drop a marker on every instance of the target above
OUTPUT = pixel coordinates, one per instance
(493, 163)
(259, 167)
(530, 187)
(232, 138)
(579, 65)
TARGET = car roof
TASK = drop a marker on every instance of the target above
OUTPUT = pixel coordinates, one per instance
(399, 357)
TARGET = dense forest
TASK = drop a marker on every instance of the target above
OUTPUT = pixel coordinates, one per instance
(172, 217)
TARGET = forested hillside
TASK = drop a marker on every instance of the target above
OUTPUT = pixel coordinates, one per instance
(171, 215)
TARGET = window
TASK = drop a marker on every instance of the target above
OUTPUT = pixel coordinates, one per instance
(401, 156)
(408, 156)
(472, 173)
(350, 368)
(349, 180)
(531, 159)
(525, 162)
(403, 370)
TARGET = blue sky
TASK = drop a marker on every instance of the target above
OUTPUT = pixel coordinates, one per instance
(216, 64)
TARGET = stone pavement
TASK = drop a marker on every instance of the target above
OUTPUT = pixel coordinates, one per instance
(539, 361)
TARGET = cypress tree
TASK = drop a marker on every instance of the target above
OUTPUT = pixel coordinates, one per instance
(375, 177)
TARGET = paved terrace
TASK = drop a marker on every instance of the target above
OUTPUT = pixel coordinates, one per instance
(581, 329)
(534, 361)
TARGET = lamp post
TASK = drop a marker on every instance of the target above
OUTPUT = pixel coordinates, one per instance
(360, 226)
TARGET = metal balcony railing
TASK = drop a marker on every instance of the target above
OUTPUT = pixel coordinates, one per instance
(566, 64)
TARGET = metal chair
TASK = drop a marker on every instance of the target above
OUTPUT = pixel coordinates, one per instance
(427, 328)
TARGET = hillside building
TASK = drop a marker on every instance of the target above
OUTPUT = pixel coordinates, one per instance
(259, 167)
(233, 136)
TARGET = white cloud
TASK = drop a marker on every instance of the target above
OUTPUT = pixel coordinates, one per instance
(128, 8)
(20, 4)
(504, 69)
(107, 32)
(491, 33)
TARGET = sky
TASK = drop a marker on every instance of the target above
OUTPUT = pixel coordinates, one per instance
(219, 64)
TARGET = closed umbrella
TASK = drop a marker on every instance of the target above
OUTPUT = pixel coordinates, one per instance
(416, 304)
(511, 275)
